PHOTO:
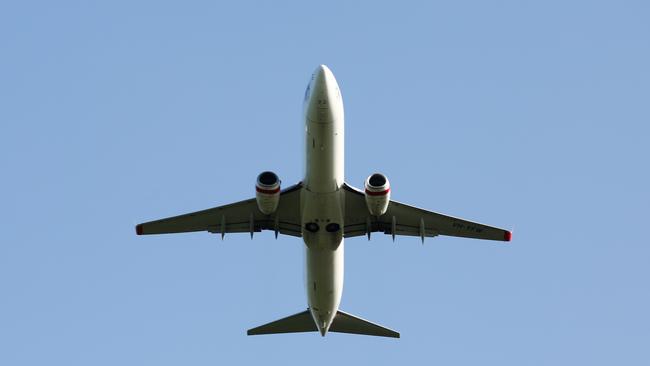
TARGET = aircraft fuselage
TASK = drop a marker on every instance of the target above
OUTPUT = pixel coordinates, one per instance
(322, 211)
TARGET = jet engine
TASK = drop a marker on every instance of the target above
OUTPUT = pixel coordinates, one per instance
(267, 192)
(377, 194)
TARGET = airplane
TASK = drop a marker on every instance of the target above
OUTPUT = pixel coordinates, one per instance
(324, 210)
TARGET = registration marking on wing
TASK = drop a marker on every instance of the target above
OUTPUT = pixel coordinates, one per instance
(470, 228)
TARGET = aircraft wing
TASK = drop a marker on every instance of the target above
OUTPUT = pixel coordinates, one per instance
(239, 217)
(402, 219)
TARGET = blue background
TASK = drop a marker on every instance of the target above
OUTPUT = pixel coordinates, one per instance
(527, 115)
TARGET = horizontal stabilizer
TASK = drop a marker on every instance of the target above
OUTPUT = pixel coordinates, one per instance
(301, 322)
(343, 323)
(348, 323)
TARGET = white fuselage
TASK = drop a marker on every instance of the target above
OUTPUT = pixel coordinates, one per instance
(322, 203)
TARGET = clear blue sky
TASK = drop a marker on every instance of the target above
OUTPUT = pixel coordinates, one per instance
(528, 115)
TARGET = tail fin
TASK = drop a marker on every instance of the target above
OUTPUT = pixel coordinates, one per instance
(343, 323)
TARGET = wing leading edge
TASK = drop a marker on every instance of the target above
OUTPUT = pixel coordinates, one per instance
(240, 217)
(402, 219)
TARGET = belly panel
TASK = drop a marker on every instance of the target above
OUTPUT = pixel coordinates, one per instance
(324, 283)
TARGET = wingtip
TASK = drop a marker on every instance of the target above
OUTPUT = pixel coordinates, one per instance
(507, 236)
(138, 229)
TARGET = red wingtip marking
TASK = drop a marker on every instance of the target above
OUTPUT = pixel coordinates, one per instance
(138, 229)
(507, 236)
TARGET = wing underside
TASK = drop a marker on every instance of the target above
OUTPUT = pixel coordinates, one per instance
(399, 219)
(402, 219)
(239, 217)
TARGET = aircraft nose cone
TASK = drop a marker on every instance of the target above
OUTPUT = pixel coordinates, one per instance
(323, 98)
(322, 73)
(322, 70)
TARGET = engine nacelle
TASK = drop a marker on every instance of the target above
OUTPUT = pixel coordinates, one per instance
(377, 194)
(267, 192)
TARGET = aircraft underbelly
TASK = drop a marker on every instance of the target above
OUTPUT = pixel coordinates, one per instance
(322, 218)
(324, 166)
(324, 283)
(321, 198)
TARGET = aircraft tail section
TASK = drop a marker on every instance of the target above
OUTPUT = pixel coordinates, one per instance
(348, 323)
(343, 323)
(296, 323)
